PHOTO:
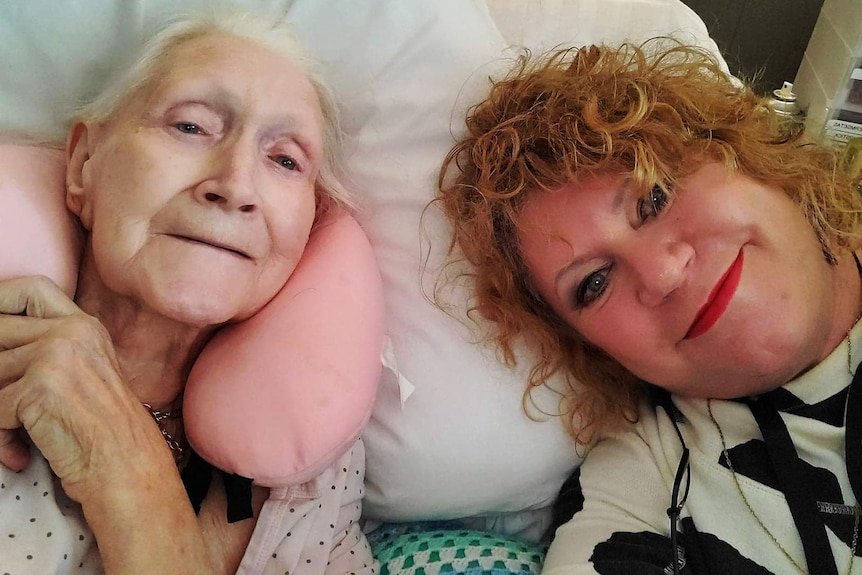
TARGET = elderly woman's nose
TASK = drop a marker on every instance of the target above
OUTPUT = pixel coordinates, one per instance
(230, 182)
(661, 268)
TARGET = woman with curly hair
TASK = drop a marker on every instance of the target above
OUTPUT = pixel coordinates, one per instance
(643, 222)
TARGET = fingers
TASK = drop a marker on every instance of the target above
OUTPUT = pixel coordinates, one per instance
(13, 364)
(34, 296)
(17, 330)
(14, 452)
(9, 403)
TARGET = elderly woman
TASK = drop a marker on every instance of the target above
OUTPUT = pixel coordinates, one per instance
(197, 178)
(642, 220)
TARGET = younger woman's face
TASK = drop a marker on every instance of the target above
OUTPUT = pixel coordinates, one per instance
(721, 291)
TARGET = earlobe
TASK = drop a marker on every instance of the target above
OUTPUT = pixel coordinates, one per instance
(77, 156)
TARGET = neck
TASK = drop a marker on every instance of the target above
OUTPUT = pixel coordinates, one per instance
(848, 300)
(155, 353)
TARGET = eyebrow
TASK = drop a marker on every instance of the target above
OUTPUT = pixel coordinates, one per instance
(296, 130)
(616, 205)
(223, 101)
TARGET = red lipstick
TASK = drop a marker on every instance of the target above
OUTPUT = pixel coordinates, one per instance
(718, 300)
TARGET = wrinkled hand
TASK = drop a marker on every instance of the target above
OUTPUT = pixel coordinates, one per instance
(60, 382)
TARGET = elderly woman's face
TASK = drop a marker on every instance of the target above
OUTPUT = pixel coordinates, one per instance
(722, 291)
(199, 193)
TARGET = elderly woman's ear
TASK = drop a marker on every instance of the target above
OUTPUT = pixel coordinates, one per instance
(77, 157)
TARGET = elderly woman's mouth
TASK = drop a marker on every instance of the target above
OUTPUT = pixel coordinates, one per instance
(213, 244)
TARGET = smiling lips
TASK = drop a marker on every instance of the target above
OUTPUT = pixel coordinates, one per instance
(719, 299)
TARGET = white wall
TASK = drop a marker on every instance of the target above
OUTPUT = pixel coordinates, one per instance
(835, 43)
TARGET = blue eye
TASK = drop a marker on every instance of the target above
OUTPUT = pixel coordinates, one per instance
(188, 128)
(286, 162)
(592, 287)
(653, 205)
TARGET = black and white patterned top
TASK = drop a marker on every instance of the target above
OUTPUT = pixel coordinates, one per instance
(621, 524)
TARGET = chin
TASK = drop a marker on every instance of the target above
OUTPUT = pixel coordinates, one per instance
(199, 318)
(215, 301)
(195, 309)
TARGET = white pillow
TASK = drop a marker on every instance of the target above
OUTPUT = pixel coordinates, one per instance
(460, 444)
(448, 437)
(543, 24)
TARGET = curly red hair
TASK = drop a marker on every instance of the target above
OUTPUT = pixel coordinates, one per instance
(653, 113)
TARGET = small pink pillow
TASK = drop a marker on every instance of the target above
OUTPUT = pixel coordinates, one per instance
(282, 394)
(38, 235)
(275, 398)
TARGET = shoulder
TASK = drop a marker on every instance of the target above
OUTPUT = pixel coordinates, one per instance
(645, 455)
(656, 433)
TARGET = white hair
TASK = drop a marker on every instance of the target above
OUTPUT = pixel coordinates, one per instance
(268, 30)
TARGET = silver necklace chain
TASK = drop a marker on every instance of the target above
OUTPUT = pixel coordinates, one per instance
(175, 446)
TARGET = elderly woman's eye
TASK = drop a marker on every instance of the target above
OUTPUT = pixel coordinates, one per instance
(286, 162)
(188, 128)
(592, 287)
(653, 205)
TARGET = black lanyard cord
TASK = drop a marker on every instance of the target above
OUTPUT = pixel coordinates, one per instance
(797, 486)
(677, 496)
(675, 509)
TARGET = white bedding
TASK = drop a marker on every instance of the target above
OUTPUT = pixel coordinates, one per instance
(448, 438)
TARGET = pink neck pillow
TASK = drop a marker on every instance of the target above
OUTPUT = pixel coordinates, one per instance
(275, 398)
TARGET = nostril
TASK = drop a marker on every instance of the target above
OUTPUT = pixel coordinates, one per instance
(213, 197)
(247, 208)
